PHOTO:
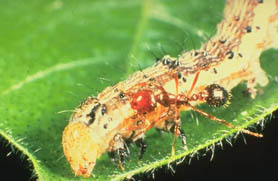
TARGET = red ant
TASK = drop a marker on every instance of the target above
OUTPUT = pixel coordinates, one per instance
(145, 102)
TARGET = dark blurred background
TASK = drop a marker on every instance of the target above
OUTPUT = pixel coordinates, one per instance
(256, 160)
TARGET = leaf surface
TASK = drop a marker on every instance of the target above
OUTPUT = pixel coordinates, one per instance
(54, 54)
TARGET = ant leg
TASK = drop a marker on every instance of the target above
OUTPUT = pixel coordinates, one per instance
(177, 117)
(138, 139)
(222, 121)
(181, 135)
(193, 84)
(123, 153)
(121, 149)
(142, 145)
(175, 132)
(112, 156)
(178, 132)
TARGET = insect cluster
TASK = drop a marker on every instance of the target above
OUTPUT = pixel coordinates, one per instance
(154, 97)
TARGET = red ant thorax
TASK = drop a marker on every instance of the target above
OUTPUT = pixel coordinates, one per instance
(154, 97)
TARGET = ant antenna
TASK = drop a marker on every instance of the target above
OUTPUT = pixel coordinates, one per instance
(222, 121)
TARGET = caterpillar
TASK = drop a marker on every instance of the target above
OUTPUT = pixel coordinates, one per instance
(154, 97)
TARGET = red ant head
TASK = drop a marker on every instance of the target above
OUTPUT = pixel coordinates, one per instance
(217, 95)
(143, 101)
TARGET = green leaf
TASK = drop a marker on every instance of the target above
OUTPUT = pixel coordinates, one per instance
(55, 53)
